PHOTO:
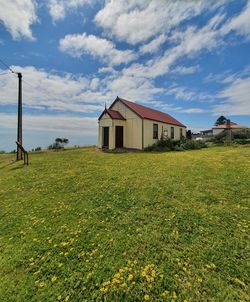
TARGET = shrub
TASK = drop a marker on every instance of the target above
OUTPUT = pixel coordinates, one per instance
(181, 145)
(241, 136)
(193, 145)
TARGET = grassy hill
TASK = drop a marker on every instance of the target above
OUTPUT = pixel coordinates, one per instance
(83, 225)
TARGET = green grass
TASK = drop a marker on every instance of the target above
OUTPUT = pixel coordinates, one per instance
(82, 225)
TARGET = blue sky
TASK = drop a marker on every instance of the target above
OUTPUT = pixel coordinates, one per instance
(188, 58)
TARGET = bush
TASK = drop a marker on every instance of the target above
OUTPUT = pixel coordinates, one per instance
(193, 145)
(241, 136)
(168, 145)
(242, 141)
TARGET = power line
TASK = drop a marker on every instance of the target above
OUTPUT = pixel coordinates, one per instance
(41, 89)
(6, 65)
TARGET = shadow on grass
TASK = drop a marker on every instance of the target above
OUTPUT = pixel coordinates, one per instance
(18, 167)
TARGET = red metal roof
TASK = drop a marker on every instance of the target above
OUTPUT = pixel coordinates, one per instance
(150, 114)
(115, 115)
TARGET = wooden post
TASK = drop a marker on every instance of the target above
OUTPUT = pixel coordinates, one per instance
(229, 131)
(19, 118)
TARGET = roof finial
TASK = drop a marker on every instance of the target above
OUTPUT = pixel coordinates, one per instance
(105, 106)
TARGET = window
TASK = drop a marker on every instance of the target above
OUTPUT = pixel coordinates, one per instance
(172, 132)
(155, 131)
(181, 133)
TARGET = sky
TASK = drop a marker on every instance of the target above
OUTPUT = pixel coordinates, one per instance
(190, 59)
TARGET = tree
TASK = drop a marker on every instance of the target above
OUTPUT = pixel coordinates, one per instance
(189, 134)
(220, 121)
(59, 143)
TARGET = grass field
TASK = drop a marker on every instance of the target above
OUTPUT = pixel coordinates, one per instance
(83, 225)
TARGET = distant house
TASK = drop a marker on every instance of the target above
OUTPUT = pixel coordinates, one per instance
(129, 125)
(207, 132)
(227, 125)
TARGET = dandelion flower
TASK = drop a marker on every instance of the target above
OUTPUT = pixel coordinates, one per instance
(53, 279)
(146, 297)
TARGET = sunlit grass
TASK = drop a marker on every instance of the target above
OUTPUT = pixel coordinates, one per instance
(83, 225)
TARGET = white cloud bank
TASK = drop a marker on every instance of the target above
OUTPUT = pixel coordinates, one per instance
(87, 126)
(137, 21)
(18, 16)
(240, 24)
(80, 44)
(52, 91)
(59, 8)
(236, 98)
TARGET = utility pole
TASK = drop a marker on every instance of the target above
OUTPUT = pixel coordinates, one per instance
(19, 118)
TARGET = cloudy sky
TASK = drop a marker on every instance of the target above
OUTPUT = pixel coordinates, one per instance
(188, 58)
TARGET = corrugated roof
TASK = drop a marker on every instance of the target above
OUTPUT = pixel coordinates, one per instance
(150, 114)
(115, 115)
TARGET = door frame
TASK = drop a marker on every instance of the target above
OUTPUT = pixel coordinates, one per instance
(120, 138)
(105, 132)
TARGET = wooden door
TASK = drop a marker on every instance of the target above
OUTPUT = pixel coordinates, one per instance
(119, 136)
(105, 137)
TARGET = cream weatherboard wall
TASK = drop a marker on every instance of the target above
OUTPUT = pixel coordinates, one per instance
(133, 129)
(163, 128)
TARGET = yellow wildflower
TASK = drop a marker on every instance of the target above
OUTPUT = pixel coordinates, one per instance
(42, 284)
(117, 275)
(103, 290)
(106, 283)
(53, 279)
(146, 297)
(165, 293)
(130, 277)
(240, 282)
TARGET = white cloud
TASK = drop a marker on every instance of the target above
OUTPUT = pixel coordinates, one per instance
(73, 93)
(108, 69)
(185, 94)
(189, 44)
(80, 44)
(134, 88)
(59, 8)
(52, 123)
(153, 45)
(236, 98)
(18, 16)
(136, 21)
(240, 23)
(194, 110)
(185, 69)
(42, 89)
